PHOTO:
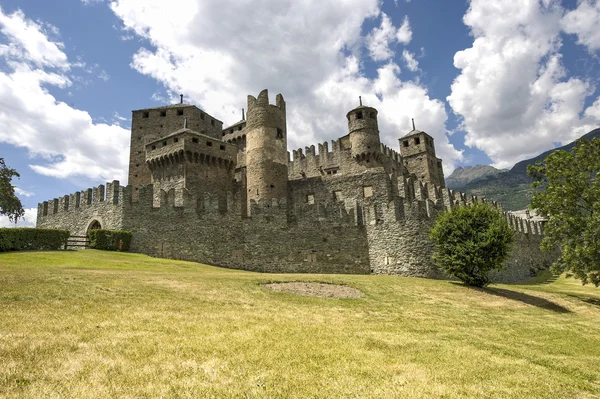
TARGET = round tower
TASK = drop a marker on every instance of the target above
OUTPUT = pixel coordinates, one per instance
(266, 149)
(364, 133)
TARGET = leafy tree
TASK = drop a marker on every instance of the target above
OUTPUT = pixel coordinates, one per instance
(568, 194)
(470, 241)
(10, 205)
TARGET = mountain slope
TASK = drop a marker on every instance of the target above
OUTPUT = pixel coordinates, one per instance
(513, 188)
(464, 175)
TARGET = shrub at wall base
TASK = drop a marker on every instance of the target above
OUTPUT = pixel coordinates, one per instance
(110, 240)
(23, 239)
(470, 241)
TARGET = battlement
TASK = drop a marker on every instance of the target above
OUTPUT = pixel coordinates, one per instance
(109, 194)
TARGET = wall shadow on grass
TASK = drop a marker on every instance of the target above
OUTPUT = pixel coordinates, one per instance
(521, 297)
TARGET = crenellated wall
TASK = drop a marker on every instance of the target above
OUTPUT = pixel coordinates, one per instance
(77, 211)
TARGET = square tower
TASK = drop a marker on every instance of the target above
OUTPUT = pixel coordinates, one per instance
(152, 124)
(418, 153)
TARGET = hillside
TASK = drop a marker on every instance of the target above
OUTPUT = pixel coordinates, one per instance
(464, 175)
(513, 188)
(93, 324)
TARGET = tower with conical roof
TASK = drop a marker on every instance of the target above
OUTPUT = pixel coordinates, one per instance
(364, 135)
(418, 153)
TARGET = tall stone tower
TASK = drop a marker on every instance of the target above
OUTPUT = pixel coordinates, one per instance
(418, 153)
(154, 123)
(364, 135)
(266, 148)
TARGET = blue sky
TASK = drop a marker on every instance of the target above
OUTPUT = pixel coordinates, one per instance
(492, 82)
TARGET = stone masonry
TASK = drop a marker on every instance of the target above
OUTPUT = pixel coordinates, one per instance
(235, 198)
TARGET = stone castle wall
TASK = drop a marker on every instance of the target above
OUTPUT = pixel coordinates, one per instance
(350, 225)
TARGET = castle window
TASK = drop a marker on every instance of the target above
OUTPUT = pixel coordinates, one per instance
(175, 140)
(239, 128)
(279, 133)
(359, 115)
(222, 147)
(135, 175)
(145, 114)
(141, 127)
(405, 143)
(368, 191)
(417, 141)
(137, 164)
(338, 196)
(231, 131)
(194, 140)
(179, 111)
(310, 199)
(154, 147)
(209, 143)
(372, 115)
(163, 113)
(164, 143)
(201, 116)
(212, 122)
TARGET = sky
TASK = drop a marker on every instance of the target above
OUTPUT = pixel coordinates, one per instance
(493, 82)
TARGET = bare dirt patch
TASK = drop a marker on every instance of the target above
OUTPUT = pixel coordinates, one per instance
(320, 290)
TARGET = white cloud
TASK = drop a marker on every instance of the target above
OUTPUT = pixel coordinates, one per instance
(28, 220)
(409, 58)
(28, 42)
(310, 52)
(512, 92)
(404, 34)
(30, 117)
(584, 21)
(380, 38)
(22, 192)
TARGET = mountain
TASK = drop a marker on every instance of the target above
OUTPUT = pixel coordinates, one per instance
(510, 188)
(462, 176)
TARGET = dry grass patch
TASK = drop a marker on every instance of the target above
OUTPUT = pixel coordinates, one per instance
(321, 290)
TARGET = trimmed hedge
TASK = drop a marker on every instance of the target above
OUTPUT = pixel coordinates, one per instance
(108, 240)
(23, 239)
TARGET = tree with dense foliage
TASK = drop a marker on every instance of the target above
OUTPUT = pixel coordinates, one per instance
(568, 194)
(10, 205)
(470, 241)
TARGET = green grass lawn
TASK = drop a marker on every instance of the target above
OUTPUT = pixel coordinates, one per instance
(95, 324)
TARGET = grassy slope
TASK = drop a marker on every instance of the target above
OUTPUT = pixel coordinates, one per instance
(96, 325)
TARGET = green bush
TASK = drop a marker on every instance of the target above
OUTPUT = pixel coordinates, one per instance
(108, 240)
(23, 239)
(470, 241)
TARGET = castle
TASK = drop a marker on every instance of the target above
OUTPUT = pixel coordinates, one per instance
(233, 197)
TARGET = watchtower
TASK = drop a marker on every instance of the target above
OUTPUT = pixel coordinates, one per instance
(266, 148)
(418, 153)
(364, 134)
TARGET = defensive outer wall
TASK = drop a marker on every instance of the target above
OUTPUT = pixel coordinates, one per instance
(356, 206)
(344, 237)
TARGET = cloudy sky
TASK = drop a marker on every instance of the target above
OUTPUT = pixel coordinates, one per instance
(494, 82)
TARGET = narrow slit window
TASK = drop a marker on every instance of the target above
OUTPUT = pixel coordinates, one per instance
(279, 133)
